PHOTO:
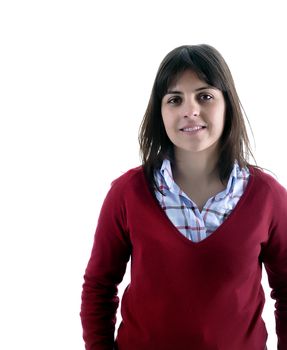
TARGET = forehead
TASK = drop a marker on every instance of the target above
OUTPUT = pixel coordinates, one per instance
(188, 80)
(186, 77)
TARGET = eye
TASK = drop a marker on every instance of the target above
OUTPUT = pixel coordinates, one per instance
(175, 100)
(205, 97)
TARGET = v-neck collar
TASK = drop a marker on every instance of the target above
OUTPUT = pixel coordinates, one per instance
(216, 234)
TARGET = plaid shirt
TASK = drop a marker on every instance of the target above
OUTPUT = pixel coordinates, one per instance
(184, 213)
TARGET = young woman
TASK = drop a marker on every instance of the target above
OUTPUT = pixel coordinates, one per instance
(197, 221)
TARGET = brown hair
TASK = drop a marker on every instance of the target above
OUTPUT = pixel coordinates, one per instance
(210, 67)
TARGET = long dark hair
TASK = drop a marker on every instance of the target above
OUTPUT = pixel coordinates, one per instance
(210, 67)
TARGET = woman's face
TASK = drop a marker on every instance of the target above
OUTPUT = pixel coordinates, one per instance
(193, 114)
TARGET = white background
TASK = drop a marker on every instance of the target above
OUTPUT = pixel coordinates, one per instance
(75, 81)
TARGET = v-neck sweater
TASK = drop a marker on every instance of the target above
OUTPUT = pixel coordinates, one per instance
(185, 295)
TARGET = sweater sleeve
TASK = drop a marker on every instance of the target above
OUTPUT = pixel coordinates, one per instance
(275, 261)
(105, 270)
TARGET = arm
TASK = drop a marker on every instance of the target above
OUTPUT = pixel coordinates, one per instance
(275, 260)
(105, 270)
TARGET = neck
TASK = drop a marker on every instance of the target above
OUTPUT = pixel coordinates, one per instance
(200, 167)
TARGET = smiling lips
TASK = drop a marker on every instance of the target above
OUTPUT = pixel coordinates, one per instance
(193, 128)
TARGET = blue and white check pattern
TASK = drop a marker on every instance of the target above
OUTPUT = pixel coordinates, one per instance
(184, 213)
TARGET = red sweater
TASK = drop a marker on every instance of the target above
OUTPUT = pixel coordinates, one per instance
(185, 295)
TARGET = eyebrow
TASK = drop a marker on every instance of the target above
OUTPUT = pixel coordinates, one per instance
(170, 92)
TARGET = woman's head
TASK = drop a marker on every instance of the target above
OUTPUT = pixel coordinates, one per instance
(193, 114)
(210, 67)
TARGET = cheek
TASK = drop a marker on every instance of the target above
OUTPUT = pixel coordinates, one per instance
(218, 117)
(167, 119)
(217, 125)
(167, 127)
(221, 126)
(164, 121)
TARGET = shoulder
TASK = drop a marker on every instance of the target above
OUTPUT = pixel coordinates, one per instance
(130, 178)
(267, 183)
(130, 185)
(123, 193)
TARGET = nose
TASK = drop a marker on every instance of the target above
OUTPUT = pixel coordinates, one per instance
(192, 109)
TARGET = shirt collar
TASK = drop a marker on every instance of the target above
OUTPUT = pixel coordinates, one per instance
(230, 184)
(166, 173)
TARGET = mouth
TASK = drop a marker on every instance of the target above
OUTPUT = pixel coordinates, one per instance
(192, 129)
